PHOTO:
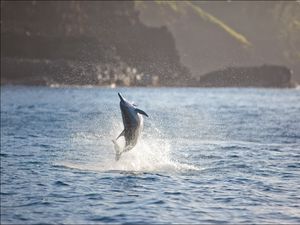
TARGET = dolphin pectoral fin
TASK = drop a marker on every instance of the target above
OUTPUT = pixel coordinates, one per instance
(141, 112)
(122, 134)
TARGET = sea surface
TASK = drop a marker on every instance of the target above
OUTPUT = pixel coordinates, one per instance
(206, 155)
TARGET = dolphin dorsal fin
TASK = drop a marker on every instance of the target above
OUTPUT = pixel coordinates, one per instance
(141, 112)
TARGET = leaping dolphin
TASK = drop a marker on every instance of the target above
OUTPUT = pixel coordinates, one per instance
(133, 125)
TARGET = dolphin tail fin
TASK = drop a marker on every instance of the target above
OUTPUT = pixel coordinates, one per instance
(117, 149)
(141, 112)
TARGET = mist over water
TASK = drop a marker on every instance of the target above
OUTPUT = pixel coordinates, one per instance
(151, 154)
(205, 156)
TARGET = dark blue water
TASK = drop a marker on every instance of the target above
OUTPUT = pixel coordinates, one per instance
(206, 156)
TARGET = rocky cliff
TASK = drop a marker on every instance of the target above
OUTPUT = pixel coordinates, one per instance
(133, 43)
(211, 35)
(272, 76)
(78, 42)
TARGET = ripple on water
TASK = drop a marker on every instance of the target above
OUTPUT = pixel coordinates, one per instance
(60, 183)
(211, 156)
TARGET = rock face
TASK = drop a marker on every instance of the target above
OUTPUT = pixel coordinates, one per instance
(272, 28)
(105, 43)
(263, 76)
(78, 42)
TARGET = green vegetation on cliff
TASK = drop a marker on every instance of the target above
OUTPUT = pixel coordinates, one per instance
(141, 43)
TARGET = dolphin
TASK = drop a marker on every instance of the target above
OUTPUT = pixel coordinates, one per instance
(133, 125)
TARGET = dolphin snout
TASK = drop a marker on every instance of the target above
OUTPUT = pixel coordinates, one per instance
(120, 96)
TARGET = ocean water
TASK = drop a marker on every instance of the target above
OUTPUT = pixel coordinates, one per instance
(206, 156)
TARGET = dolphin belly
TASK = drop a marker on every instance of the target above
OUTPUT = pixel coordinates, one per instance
(132, 135)
(133, 125)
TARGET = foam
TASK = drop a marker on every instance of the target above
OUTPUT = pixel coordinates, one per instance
(149, 155)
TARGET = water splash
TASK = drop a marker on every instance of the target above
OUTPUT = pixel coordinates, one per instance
(149, 155)
(153, 153)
